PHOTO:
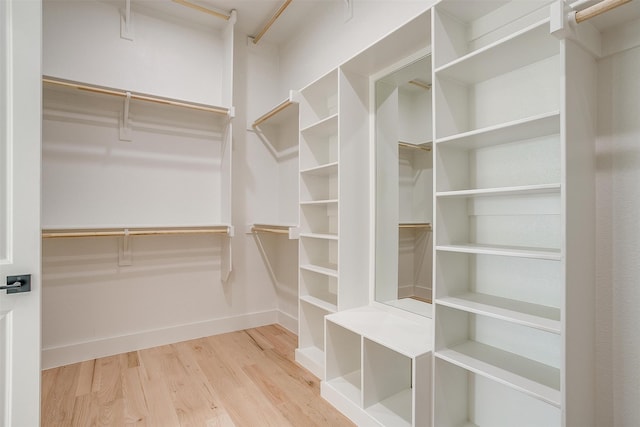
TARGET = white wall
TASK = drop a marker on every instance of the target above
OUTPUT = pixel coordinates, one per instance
(328, 40)
(172, 292)
(617, 233)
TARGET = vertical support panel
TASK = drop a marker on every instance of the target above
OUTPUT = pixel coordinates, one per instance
(227, 67)
(579, 111)
(4, 130)
(5, 367)
(387, 209)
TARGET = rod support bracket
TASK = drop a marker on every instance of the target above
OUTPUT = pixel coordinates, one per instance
(562, 22)
(126, 133)
(125, 256)
(126, 22)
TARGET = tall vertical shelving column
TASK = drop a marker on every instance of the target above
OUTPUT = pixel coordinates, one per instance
(333, 207)
(507, 219)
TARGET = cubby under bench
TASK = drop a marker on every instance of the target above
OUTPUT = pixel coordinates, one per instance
(378, 367)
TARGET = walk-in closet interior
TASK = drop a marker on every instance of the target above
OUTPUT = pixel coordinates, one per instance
(438, 197)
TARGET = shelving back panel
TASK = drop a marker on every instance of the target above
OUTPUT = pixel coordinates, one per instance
(319, 252)
(464, 398)
(319, 100)
(528, 280)
(466, 107)
(531, 221)
(518, 163)
(465, 26)
(319, 219)
(163, 51)
(170, 174)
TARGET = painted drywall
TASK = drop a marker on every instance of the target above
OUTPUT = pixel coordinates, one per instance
(617, 231)
(92, 306)
(331, 39)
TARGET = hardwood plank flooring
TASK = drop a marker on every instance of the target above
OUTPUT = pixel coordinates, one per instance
(245, 378)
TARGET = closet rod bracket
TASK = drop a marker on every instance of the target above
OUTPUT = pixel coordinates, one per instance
(125, 255)
(126, 22)
(126, 133)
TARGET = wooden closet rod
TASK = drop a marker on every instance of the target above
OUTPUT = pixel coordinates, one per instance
(49, 234)
(414, 146)
(140, 97)
(422, 225)
(418, 83)
(199, 8)
(598, 9)
(272, 113)
(268, 25)
(256, 229)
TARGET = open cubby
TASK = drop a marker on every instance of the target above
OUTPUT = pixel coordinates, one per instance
(319, 144)
(344, 362)
(319, 218)
(319, 288)
(319, 100)
(319, 254)
(464, 398)
(315, 187)
(310, 349)
(524, 358)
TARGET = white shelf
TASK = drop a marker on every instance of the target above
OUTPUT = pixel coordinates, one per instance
(530, 377)
(319, 236)
(517, 130)
(322, 170)
(327, 271)
(514, 251)
(526, 314)
(524, 47)
(407, 337)
(502, 191)
(320, 303)
(348, 386)
(387, 412)
(319, 202)
(323, 128)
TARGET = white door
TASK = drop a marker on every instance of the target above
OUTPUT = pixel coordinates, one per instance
(20, 121)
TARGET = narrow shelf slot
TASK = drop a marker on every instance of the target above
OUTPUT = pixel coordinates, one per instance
(519, 49)
(526, 314)
(502, 191)
(323, 128)
(326, 270)
(513, 251)
(319, 236)
(530, 377)
(319, 202)
(320, 303)
(516, 130)
(322, 170)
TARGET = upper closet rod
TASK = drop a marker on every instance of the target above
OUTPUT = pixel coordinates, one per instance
(199, 8)
(598, 9)
(414, 146)
(257, 229)
(272, 113)
(115, 92)
(46, 234)
(418, 83)
(268, 25)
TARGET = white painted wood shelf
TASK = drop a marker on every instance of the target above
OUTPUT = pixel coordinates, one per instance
(323, 128)
(503, 56)
(511, 251)
(322, 170)
(525, 375)
(522, 190)
(520, 312)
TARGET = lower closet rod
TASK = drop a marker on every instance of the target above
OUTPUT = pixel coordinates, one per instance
(120, 233)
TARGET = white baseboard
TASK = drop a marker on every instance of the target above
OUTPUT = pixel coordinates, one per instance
(288, 322)
(78, 352)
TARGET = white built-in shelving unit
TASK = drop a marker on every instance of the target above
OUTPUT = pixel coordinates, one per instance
(513, 159)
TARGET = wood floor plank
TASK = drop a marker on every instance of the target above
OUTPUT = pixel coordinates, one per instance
(240, 379)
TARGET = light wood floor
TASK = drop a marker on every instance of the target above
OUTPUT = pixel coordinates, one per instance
(245, 378)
